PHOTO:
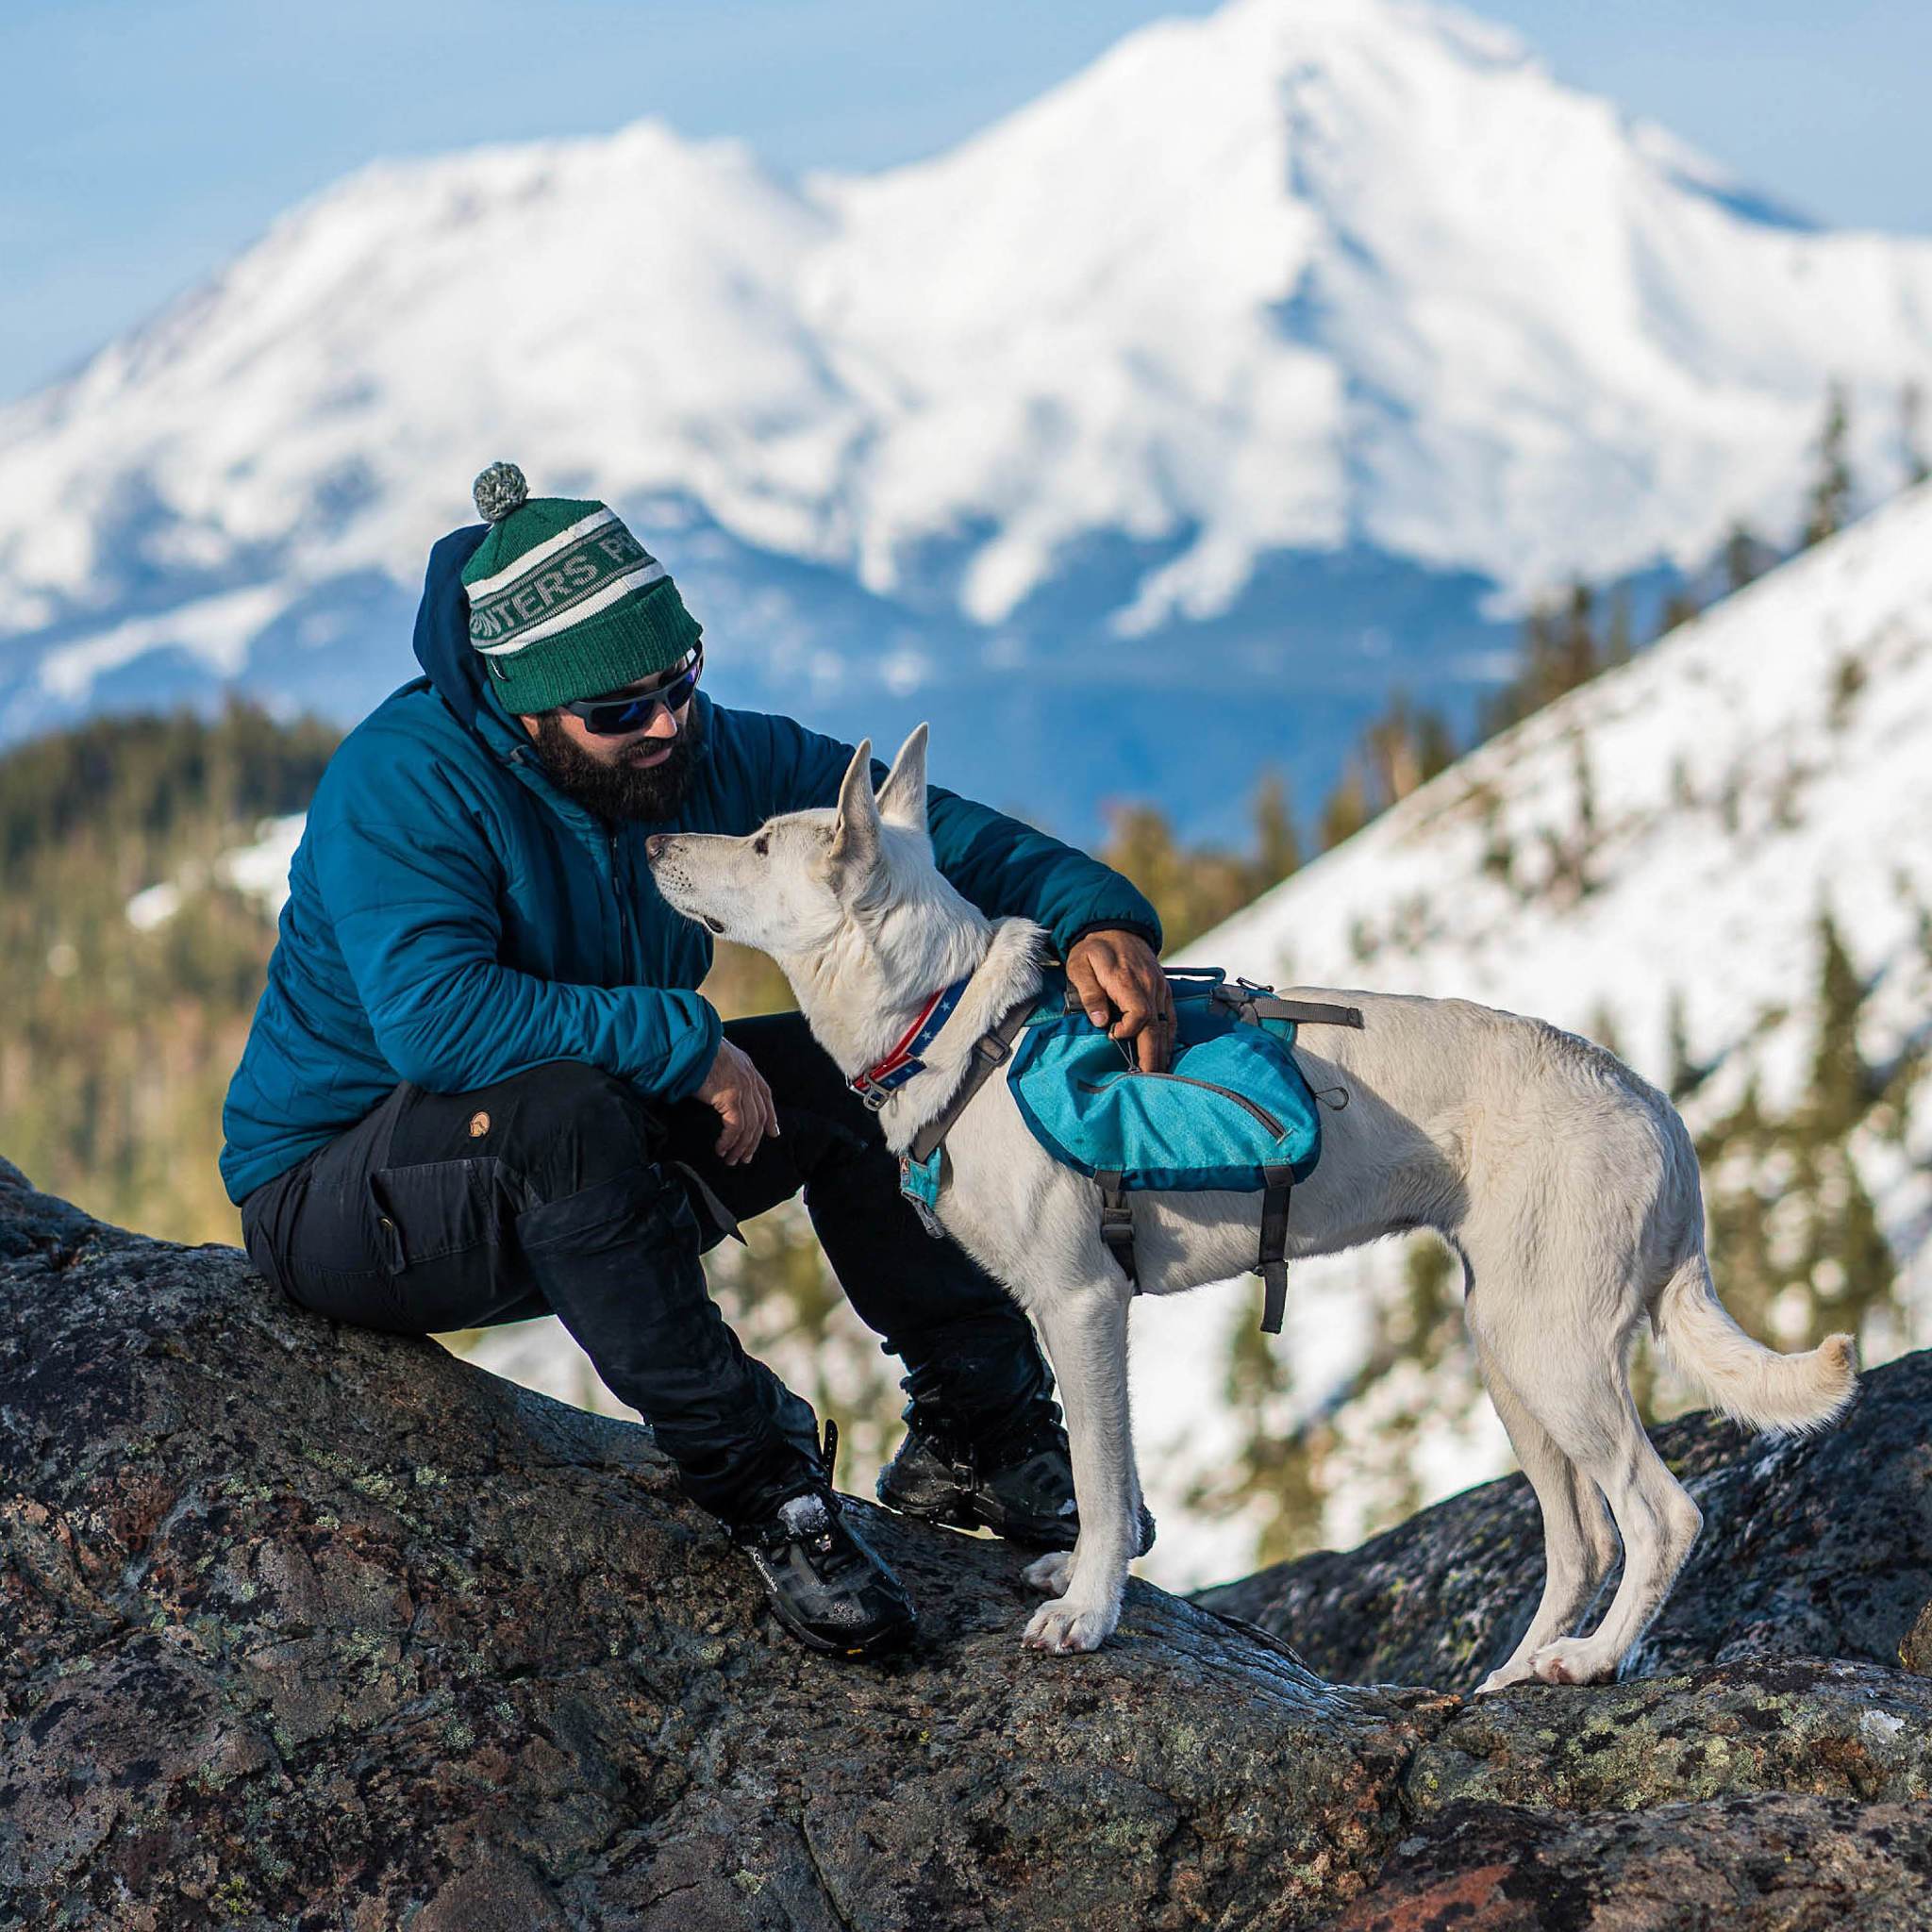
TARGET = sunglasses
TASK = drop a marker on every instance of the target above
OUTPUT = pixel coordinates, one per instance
(612, 717)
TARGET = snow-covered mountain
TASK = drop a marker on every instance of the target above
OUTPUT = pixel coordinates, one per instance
(1645, 861)
(1278, 348)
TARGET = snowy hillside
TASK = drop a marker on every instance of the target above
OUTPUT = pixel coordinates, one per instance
(1645, 861)
(1385, 318)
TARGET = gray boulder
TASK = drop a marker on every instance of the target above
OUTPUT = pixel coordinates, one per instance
(303, 1627)
(306, 1626)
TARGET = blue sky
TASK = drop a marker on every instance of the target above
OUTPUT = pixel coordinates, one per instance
(147, 143)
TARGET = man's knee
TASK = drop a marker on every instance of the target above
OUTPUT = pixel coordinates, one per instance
(565, 1126)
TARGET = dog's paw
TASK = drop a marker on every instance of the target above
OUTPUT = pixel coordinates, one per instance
(1501, 1677)
(1050, 1573)
(1572, 1661)
(1065, 1628)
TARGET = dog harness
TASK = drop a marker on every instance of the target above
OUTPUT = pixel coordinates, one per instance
(1234, 1113)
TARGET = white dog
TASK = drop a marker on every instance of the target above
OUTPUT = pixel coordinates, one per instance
(1568, 1188)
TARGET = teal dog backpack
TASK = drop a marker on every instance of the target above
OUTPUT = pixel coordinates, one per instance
(1233, 1111)
(1232, 1107)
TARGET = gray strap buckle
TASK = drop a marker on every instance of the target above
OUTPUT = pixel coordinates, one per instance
(1117, 1223)
(870, 1093)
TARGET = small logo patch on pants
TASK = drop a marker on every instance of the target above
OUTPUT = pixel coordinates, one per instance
(479, 1125)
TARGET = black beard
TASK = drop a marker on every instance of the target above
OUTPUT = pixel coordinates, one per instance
(622, 791)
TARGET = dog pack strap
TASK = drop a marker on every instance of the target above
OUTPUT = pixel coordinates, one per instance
(1309, 1012)
(1117, 1222)
(1273, 1266)
(991, 1049)
(1257, 1003)
(919, 1182)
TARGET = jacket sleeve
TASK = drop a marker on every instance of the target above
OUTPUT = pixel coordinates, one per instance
(1004, 867)
(409, 882)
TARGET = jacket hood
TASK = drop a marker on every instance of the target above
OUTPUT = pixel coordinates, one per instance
(442, 632)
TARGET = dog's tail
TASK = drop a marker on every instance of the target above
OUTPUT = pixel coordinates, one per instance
(1790, 1395)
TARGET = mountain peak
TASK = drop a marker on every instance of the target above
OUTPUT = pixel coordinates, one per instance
(1334, 278)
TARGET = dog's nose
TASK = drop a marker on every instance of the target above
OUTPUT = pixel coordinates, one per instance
(655, 844)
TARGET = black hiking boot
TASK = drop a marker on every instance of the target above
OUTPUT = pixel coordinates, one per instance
(1018, 1484)
(825, 1585)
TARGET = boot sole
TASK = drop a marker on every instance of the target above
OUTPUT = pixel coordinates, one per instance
(961, 1513)
(1035, 1534)
(891, 1638)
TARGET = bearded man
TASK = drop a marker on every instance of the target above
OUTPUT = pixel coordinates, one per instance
(482, 1085)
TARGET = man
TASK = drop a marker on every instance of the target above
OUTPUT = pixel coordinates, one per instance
(481, 1085)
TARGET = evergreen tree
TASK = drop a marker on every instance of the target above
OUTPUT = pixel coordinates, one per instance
(1570, 854)
(1828, 504)
(1535, 652)
(1347, 809)
(1277, 844)
(121, 1036)
(1561, 649)
(1679, 607)
(1392, 755)
(1435, 744)
(1796, 1243)
(1843, 1086)
(1192, 888)
(1576, 644)
(1745, 558)
(1537, 681)
(1913, 464)
(1617, 641)
(1685, 1076)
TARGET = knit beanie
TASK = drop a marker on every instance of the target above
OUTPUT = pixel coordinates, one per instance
(564, 602)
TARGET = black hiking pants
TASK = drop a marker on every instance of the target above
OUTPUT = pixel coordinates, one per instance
(565, 1190)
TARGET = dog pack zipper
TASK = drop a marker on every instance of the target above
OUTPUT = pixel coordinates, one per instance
(1240, 1100)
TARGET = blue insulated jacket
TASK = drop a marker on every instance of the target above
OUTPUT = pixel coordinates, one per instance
(453, 919)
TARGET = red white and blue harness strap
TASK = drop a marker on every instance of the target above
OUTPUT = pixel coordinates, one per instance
(881, 1080)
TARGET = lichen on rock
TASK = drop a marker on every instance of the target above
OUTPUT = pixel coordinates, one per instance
(305, 1627)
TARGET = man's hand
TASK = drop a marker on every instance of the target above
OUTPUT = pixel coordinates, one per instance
(736, 1090)
(1117, 971)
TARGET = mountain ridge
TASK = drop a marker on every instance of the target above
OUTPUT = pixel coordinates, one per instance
(1384, 332)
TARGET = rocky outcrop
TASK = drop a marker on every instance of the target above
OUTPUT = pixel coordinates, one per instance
(1820, 1546)
(306, 1626)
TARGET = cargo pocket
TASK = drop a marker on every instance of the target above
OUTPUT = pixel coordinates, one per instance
(438, 1208)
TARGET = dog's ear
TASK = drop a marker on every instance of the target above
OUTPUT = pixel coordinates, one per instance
(902, 797)
(855, 848)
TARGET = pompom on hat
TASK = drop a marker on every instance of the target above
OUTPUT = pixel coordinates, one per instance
(564, 602)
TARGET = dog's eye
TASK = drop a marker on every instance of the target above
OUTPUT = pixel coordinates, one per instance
(762, 844)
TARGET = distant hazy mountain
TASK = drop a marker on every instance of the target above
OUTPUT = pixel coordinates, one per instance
(1150, 434)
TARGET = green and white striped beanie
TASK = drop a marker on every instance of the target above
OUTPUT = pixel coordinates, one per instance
(564, 602)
